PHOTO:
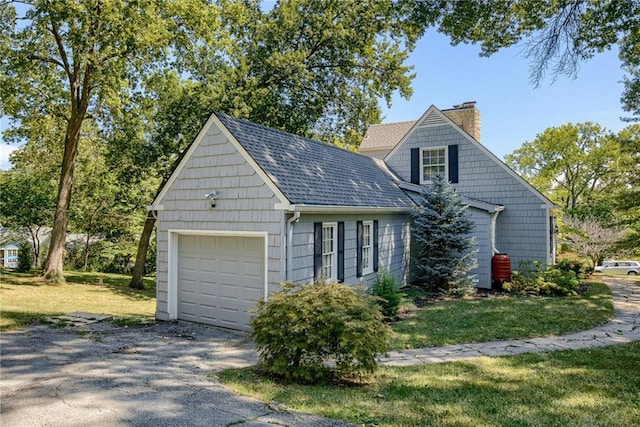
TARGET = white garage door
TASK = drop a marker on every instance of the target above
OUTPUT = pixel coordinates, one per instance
(220, 279)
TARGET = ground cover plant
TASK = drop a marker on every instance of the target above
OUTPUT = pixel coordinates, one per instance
(532, 279)
(597, 386)
(459, 321)
(26, 298)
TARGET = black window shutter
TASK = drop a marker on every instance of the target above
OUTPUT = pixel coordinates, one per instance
(375, 245)
(415, 165)
(317, 250)
(453, 164)
(359, 236)
(341, 252)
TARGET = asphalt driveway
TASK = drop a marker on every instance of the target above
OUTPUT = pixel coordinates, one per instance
(139, 376)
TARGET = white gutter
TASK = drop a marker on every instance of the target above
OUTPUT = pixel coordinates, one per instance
(290, 221)
(329, 209)
(494, 219)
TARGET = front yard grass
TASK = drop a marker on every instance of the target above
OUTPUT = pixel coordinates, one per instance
(493, 319)
(590, 387)
(25, 298)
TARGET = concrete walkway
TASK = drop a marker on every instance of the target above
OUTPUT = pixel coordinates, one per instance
(624, 328)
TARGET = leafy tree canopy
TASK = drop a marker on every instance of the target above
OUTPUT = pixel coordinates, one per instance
(572, 163)
(557, 34)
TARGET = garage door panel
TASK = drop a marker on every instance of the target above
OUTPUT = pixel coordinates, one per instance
(220, 279)
(188, 286)
(229, 267)
(208, 267)
(252, 245)
(252, 271)
(228, 243)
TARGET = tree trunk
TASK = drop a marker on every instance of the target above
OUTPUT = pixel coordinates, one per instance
(35, 242)
(55, 259)
(141, 257)
(86, 252)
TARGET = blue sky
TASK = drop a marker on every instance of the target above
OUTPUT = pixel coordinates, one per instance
(512, 110)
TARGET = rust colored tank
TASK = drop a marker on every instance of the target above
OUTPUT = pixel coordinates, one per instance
(500, 270)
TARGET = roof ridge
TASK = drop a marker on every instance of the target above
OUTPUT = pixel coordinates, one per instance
(307, 139)
(394, 123)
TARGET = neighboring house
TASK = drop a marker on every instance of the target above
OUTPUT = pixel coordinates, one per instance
(9, 256)
(248, 207)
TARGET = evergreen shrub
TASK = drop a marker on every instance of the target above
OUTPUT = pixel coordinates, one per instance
(385, 288)
(317, 332)
(25, 257)
(443, 247)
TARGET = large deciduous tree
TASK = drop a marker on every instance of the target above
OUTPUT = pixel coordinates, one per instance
(627, 198)
(572, 163)
(556, 35)
(314, 68)
(76, 60)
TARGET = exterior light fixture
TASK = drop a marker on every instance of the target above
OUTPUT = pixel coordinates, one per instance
(212, 196)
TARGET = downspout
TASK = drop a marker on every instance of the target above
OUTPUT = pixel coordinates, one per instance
(494, 219)
(290, 221)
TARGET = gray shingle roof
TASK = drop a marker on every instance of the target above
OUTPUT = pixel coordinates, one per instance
(313, 173)
(385, 136)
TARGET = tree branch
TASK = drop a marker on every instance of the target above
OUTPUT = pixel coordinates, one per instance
(63, 53)
(46, 59)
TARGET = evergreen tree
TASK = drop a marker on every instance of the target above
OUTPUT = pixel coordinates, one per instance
(25, 257)
(444, 248)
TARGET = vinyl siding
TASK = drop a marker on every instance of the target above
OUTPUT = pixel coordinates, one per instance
(522, 229)
(482, 234)
(393, 246)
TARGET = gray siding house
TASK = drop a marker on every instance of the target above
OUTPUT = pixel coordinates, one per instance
(248, 207)
(511, 217)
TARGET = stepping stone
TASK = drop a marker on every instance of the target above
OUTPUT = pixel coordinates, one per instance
(79, 318)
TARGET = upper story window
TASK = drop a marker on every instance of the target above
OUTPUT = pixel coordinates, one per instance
(329, 251)
(433, 161)
(367, 247)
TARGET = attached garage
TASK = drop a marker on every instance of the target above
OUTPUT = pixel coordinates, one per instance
(219, 277)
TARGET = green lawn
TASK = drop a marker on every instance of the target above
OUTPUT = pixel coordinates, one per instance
(592, 387)
(490, 319)
(25, 298)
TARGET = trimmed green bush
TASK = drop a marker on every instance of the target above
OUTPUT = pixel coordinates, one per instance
(385, 288)
(571, 265)
(531, 279)
(320, 331)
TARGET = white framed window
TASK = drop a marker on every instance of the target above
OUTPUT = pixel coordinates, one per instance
(433, 161)
(367, 247)
(329, 251)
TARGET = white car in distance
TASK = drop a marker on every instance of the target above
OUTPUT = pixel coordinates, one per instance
(629, 268)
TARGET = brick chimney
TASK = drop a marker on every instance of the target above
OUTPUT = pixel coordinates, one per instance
(467, 116)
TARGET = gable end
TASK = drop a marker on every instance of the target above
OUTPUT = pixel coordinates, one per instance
(215, 121)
